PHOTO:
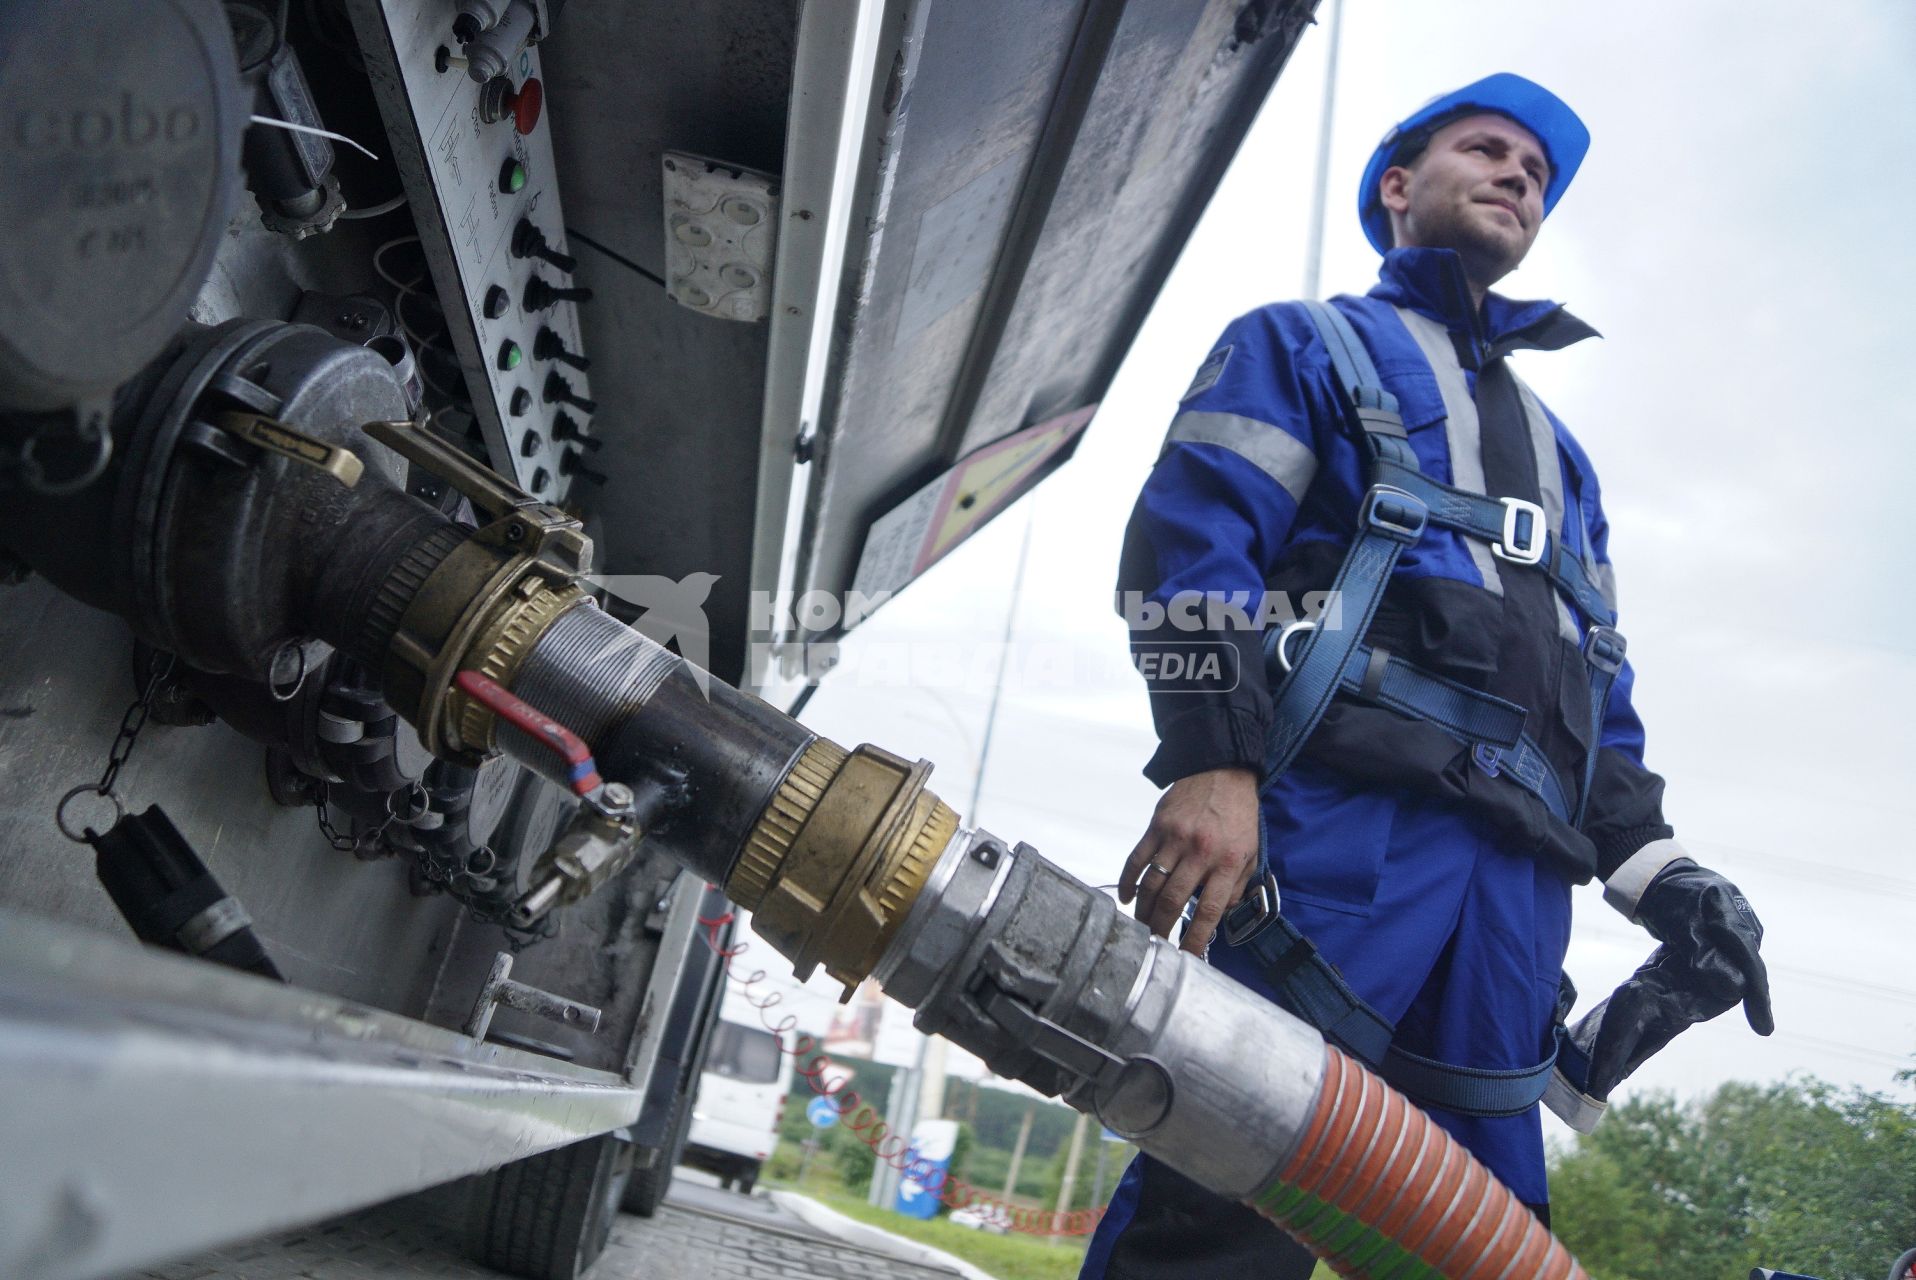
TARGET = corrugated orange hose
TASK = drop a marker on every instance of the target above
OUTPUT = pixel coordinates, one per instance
(1379, 1191)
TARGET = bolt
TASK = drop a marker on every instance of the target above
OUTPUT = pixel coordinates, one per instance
(617, 795)
(515, 532)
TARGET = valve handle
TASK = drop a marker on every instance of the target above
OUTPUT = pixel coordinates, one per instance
(582, 772)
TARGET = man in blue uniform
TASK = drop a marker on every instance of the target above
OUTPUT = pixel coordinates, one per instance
(1434, 761)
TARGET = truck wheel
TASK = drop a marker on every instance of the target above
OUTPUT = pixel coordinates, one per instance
(547, 1217)
(748, 1177)
(653, 1178)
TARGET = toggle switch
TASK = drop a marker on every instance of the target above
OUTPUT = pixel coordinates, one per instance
(540, 295)
(548, 345)
(565, 427)
(572, 463)
(530, 242)
(559, 391)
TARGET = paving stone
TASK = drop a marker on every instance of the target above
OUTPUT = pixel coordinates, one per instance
(407, 1240)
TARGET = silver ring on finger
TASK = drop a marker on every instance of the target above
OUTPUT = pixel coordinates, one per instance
(1163, 871)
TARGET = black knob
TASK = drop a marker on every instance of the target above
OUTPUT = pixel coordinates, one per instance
(565, 428)
(530, 242)
(529, 444)
(497, 300)
(559, 391)
(572, 463)
(540, 295)
(539, 478)
(550, 346)
(521, 401)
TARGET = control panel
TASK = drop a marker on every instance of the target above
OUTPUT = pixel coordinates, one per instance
(474, 148)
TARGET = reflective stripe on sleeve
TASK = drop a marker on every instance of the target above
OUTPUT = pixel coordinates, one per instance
(1271, 449)
(1624, 889)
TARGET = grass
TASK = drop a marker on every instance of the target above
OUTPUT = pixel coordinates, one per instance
(1007, 1257)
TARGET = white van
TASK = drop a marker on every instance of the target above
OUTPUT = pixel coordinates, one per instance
(741, 1097)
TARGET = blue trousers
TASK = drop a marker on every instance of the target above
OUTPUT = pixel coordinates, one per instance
(1458, 941)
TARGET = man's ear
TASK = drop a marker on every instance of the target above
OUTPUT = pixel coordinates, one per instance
(1393, 188)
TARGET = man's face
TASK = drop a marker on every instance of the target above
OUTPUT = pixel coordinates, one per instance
(1477, 188)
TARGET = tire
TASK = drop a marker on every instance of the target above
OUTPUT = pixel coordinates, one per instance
(650, 1181)
(725, 1182)
(748, 1177)
(548, 1217)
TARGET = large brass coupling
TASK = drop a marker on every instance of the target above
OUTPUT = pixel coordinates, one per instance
(482, 605)
(839, 855)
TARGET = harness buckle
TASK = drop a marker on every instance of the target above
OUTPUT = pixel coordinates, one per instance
(1603, 648)
(1525, 534)
(1284, 637)
(1257, 908)
(1394, 513)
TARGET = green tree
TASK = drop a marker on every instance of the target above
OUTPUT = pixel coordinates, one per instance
(1797, 1176)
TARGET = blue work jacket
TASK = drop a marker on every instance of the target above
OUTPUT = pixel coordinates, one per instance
(1253, 502)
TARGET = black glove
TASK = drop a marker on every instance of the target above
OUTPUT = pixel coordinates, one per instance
(1708, 963)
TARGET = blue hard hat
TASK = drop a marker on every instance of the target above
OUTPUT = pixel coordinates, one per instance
(1556, 126)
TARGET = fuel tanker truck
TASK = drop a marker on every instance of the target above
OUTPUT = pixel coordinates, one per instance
(348, 349)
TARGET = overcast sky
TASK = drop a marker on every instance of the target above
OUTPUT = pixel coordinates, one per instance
(1738, 234)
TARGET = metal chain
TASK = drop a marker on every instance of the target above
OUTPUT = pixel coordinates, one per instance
(365, 839)
(159, 669)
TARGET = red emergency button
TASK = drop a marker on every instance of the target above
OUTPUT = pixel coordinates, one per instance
(526, 104)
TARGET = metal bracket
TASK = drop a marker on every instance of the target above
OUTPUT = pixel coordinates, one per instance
(1132, 1096)
(501, 989)
(1046, 1038)
(519, 522)
(273, 436)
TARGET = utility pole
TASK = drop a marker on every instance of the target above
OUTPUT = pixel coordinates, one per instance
(1314, 252)
(1071, 1166)
(1097, 1177)
(1018, 1151)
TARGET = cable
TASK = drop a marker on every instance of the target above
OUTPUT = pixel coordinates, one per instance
(379, 267)
(376, 210)
(405, 289)
(615, 255)
(317, 133)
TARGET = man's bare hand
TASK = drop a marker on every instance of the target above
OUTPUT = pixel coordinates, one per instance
(1202, 842)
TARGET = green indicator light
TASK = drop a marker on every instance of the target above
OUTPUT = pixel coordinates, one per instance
(512, 178)
(509, 354)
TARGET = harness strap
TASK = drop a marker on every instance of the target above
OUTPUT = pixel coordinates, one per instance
(1388, 521)
(1489, 519)
(1376, 675)
(1312, 987)
(1603, 651)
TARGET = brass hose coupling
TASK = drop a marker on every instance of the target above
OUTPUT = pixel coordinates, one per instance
(485, 605)
(838, 857)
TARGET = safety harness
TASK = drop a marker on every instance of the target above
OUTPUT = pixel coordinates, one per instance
(1399, 505)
